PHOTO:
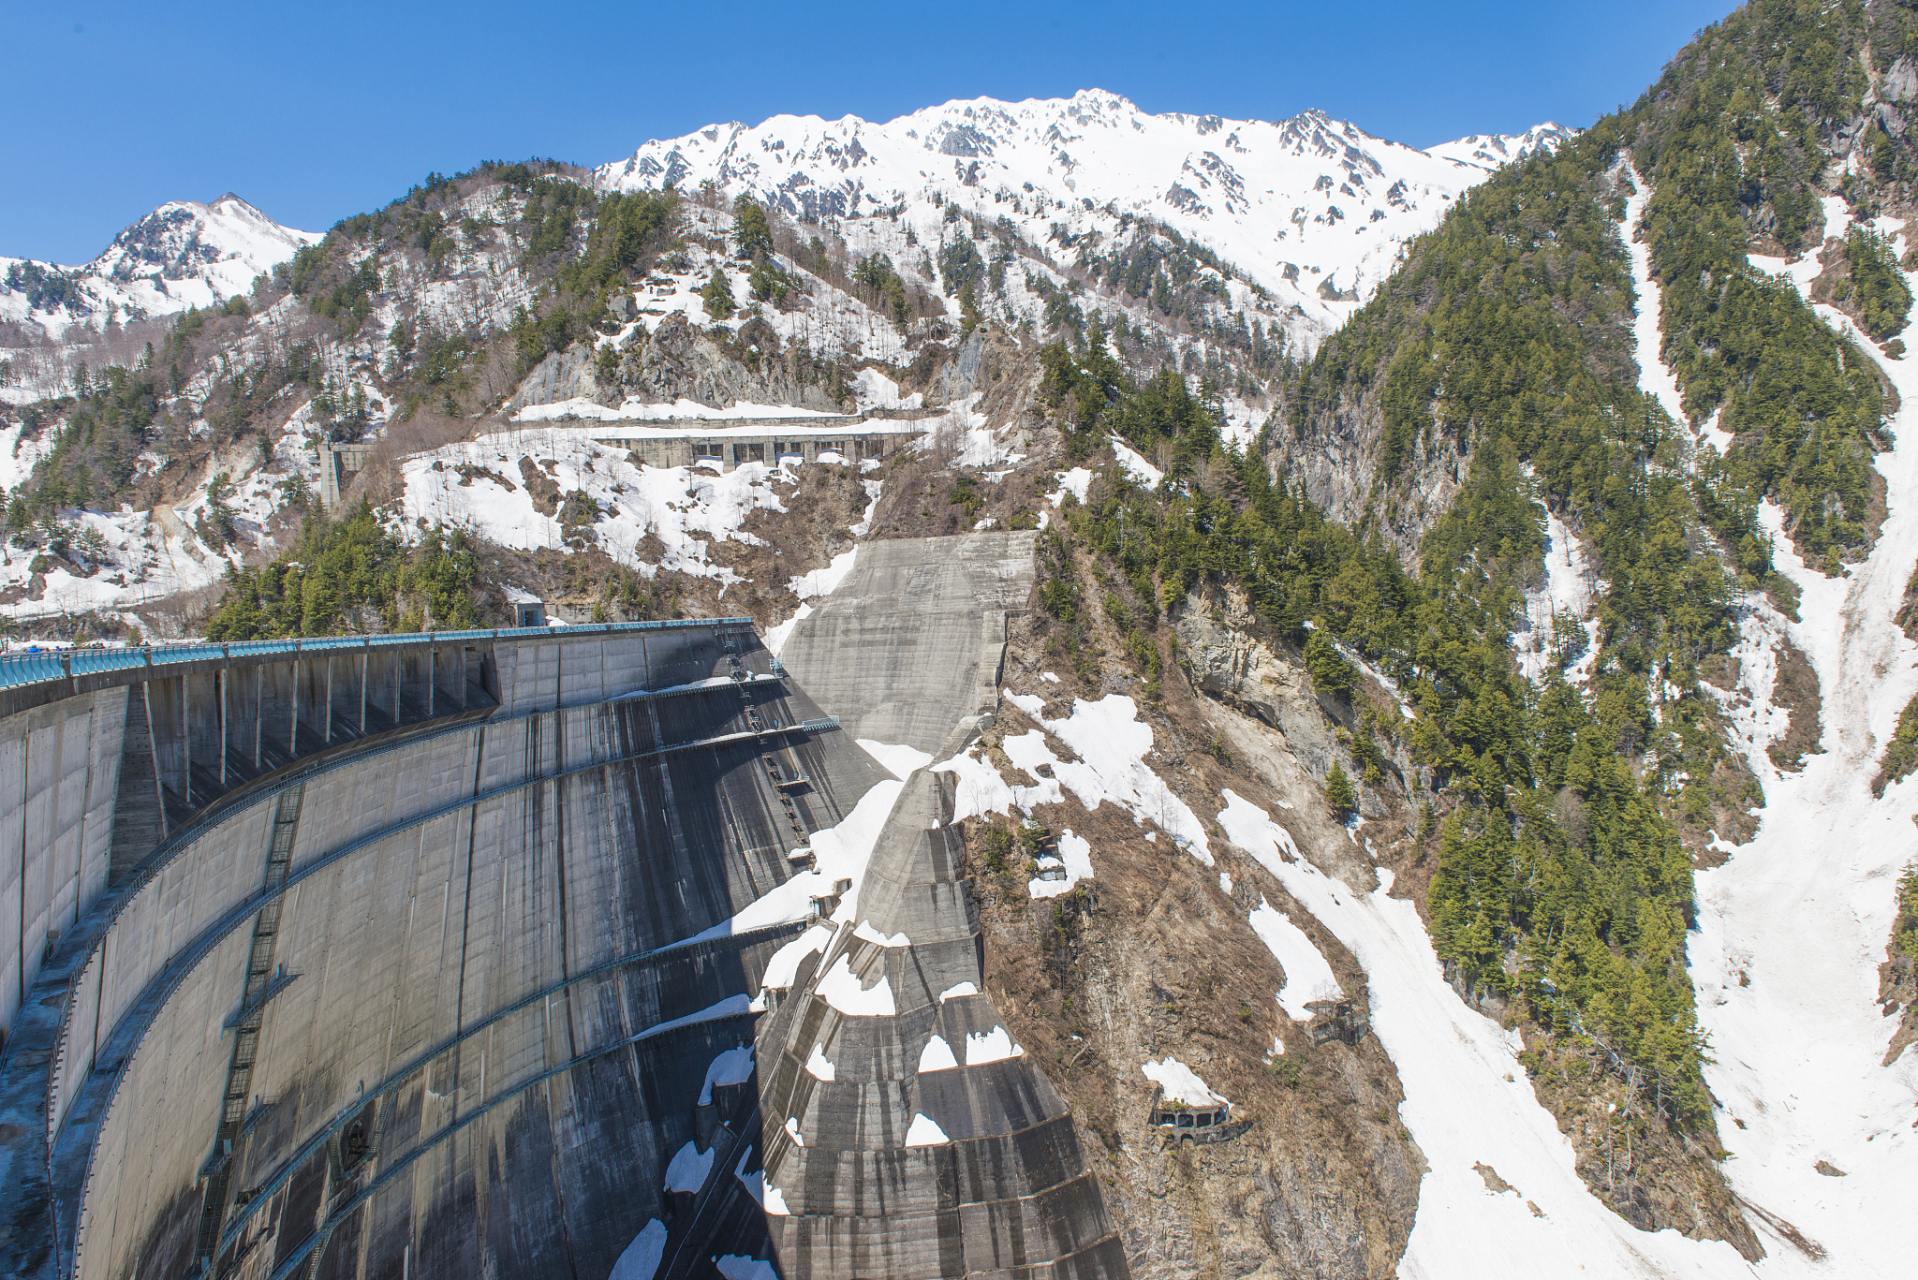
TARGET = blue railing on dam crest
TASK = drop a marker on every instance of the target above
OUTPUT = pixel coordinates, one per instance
(20, 669)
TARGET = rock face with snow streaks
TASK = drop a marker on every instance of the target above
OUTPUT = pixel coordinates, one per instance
(182, 254)
(1312, 208)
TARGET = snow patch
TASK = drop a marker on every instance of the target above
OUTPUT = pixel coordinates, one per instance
(1654, 375)
(641, 1259)
(735, 1066)
(783, 969)
(1111, 743)
(689, 1168)
(1467, 1102)
(1180, 1083)
(737, 1266)
(1570, 580)
(842, 989)
(936, 1056)
(872, 389)
(679, 411)
(480, 485)
(899, 759)
(924, 1133)
(995, 1045)
(840, 852)
(1074, 482)
(823, 582)
(1133, 463)
(1307, 975)
(1075, 857)
(779, 633)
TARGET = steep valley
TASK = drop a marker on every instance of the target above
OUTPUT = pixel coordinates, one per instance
(1031, 690)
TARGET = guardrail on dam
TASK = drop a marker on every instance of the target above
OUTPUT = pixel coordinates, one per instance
(485, 954)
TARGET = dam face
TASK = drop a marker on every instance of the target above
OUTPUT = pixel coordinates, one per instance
(448, 956)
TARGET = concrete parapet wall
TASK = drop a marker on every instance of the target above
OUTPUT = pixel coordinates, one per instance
(59, 781)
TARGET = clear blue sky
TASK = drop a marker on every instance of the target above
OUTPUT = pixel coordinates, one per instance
(318, 111)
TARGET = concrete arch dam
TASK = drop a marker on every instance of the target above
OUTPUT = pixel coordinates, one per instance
(421, 957)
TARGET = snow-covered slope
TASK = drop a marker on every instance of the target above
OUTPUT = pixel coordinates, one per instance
(1490, 150)
(182, 254)
(1312, 209)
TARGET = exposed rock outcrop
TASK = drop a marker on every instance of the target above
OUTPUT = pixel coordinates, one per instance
(682, 361)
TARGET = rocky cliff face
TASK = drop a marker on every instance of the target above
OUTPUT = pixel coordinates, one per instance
(681, 361)
(1157, 955)
(1337, 462)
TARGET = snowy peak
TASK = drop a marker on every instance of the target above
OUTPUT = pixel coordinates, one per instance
(183, 254)
(1489, 151)
(182, 238)
(1310, 209)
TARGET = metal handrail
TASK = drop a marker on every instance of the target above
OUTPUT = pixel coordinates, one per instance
(19, 669)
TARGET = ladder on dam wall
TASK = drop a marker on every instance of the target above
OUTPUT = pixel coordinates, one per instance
(784, 781)
(262, 984)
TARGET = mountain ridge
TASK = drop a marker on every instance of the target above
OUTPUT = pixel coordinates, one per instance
(182, 254)
(1268, 196)
(215, 249)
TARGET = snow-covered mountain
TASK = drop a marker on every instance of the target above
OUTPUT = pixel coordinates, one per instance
(1311, 209)
(183, 254)
(1490, 150)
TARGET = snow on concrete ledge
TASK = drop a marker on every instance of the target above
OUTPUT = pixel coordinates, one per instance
(995, 1045)
(840, 988)
(689, 1168)
(924, 1133)
(641, 1259)
(937, 1056)
(735, 1066)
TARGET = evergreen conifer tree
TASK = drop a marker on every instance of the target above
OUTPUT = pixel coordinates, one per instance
(1339, 795)
(718, 295)
(752, 231)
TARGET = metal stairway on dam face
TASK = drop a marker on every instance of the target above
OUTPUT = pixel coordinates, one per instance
(246, 1029)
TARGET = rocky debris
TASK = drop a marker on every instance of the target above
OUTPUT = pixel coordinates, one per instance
(1155, 955)
(1227, 661)
(1336, 1020)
